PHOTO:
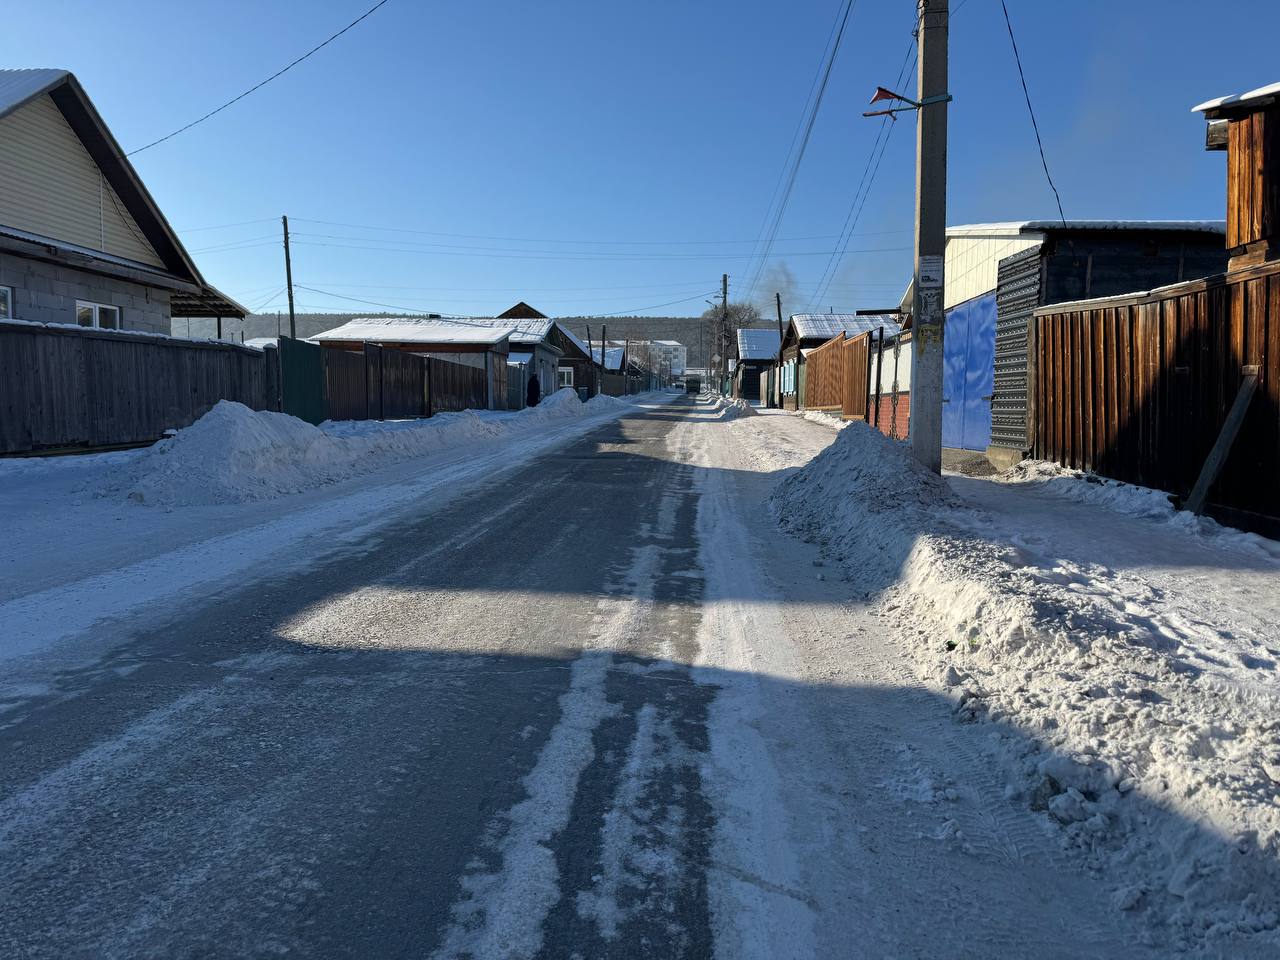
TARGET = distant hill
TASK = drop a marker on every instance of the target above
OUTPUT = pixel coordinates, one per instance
(687, 330)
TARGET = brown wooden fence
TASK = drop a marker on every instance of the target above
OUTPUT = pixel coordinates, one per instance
(382, 384)
(1137, 388)
(837, 375)
(64, 386)
(454, 386)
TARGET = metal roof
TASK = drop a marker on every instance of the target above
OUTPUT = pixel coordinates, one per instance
(758, 344)
(612, 356)
(19, 86)
(1012, 228)
(416, 330)
(824, 326)
(1254, 98)
(211, 302)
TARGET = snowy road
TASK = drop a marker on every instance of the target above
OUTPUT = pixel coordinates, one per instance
(594, 707)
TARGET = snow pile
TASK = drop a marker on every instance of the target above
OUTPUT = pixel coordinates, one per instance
(730, 409)
(234, 455)
(824, 418)
(602, 401)
(1141, 716)
(865, 498)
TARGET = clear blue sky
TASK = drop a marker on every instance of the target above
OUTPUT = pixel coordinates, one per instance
(639, 127)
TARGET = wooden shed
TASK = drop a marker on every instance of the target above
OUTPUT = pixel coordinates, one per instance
(1252, 141)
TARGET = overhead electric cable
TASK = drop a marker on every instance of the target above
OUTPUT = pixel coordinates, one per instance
(1034, 126)
(260, 84)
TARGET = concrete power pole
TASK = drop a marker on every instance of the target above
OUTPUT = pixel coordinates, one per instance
(288, 279)
(931, 236)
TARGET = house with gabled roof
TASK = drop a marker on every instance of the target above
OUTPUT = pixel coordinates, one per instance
(81, 239)
(757, 353)
(806, 332)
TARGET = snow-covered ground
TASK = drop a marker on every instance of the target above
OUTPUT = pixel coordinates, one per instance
(1123, 660)
(101, 535)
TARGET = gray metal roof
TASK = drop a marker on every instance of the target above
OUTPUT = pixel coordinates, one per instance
(19, 86)
(758, 344)
(1016, 227)
(824, 326)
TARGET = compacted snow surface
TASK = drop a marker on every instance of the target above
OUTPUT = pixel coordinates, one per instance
(1125, 657)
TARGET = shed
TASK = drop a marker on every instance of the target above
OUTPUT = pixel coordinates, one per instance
(757, 353)
(474, 344)
(1252, 143)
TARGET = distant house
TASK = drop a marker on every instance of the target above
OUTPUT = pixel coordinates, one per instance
(81, 240)
(807, 331)
(475, 344)
(757, 353)
(996, 274)
(671, 355)
(534, 348)
(577, 369)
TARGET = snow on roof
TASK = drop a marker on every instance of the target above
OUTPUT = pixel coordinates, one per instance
(416, 330)
(824, 326)
(19, 86)
(669, 343)
(571, 336)
(522, 331)
(612, 356)
(1240, 99)
(758, 344)
(1015, 227)
(261, 342)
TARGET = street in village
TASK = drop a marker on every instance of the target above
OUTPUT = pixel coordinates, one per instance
(590, 703)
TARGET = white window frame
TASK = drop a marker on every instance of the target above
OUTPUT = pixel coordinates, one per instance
(6, 313)
(560, 384)
(97, 309)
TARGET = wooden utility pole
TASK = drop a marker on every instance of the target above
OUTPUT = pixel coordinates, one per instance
(288, 279)
(723, 339)
(777, 377)
(928, 314)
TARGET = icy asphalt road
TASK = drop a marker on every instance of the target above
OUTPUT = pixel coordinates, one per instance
(595, 708)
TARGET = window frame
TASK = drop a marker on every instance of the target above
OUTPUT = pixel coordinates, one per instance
(97, 309)
(7, 312)
(560, 372)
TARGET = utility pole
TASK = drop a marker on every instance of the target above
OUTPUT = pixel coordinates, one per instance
(777, 299)
(288, 279)
(928, 316)
(724, 330)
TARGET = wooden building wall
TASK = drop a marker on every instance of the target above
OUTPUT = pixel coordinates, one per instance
(1253, 178)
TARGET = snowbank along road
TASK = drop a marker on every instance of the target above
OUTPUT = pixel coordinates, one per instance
(592, 705)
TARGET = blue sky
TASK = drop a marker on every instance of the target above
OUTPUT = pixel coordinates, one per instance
(600, 157)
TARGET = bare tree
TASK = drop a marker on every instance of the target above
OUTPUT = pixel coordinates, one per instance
(722, 331)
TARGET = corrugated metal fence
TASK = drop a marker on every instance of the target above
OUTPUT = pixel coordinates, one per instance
(64, 386)
(1137, 388)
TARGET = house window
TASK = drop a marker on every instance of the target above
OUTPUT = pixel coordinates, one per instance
(566, 377)
(100, 315)
(6, 303)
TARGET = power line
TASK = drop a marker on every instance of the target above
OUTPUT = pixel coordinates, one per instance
(583, 257)
(262, 83)
(1034, 126)
(226, 226)
(776, 222)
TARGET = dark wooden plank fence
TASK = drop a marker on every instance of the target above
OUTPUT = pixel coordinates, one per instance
(68, 387)
(1137, 388)
(454, 386)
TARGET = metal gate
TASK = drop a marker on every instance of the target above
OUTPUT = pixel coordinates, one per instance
(302, 380)
(968, 357)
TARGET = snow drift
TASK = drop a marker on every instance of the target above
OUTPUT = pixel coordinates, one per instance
(1148, 727)
(233, 454)
(728, 409)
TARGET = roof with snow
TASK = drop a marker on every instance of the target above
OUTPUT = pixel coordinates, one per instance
(417, 330)
(522, 331)
(669, 343)
(824, 326)
(572, 338)
(758, 344)
(1012, 228)
(1263, 96)
(612, 356)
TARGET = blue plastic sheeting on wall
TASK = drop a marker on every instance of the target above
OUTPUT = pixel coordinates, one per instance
(968, 358)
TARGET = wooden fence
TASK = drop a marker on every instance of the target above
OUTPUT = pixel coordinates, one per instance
(1138, 388)
(837, 375)
(68, 387)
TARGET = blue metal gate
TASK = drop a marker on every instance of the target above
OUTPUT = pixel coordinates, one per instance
(968, 358)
